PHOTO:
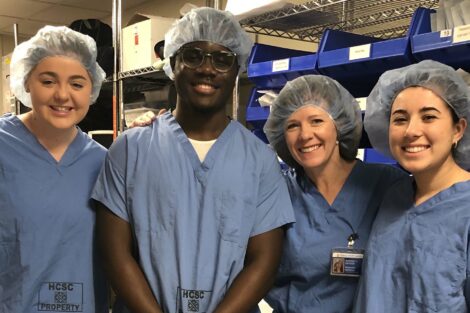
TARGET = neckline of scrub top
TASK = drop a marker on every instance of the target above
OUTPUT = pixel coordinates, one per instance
(210, 158)
(338, 206)
(308, 186)
(70, 155)
(442, 195)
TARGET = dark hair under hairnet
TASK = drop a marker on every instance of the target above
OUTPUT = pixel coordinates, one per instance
(441, 79)
(323, 92)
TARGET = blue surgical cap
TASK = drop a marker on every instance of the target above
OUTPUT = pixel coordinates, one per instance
(325, 93)
(208, 24)
(53, 41)
(441, 79)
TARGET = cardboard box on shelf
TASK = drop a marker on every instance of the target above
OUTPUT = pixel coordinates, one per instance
(139, 38)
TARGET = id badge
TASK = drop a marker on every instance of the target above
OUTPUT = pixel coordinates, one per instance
(346, 262)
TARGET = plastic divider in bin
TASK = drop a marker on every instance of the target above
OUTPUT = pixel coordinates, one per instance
(450, 46)
(271, 67)
(256, 114)
(357, 61)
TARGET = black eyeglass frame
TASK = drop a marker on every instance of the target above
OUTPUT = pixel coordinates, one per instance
(204, 56)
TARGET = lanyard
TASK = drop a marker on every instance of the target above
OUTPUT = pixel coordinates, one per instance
(353, 236)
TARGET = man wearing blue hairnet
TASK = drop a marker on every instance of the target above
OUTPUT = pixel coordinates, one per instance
(192, 206)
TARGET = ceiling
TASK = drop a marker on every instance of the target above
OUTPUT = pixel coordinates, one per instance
(30, 15)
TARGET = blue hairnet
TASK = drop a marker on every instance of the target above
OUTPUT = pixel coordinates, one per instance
(208, 24)
(53, 41)
(320, 91)
(441, 79)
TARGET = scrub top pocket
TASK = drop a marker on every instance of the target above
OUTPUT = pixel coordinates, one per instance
(229, 214)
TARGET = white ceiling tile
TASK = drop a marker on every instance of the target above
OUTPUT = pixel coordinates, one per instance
(126, 4)
(7, 22)
(45, 1)
(34, 14)
(65, 15)
(26, 28)
(21, 8)
(104, 6)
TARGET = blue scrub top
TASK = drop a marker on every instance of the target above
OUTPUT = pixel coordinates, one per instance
(47, 257)
(192, 220)
(303, 283)
(418, 256)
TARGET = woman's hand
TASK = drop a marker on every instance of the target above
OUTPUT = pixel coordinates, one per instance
(146, 119)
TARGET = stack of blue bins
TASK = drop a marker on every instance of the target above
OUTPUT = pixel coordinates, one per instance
(451, 47)
(357, 61)
(270, 68)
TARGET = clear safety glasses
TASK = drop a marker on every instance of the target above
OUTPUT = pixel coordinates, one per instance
(193, 57)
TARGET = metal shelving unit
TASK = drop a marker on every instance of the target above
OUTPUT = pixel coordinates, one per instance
(306, 22)
(383, 19)
(143, 79)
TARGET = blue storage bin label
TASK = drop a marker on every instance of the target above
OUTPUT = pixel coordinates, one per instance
(281, 65)
(360, 154)
(359, 52)
(461, 34)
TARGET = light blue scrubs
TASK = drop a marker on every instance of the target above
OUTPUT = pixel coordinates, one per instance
(418, 256)
(192, 220)
(46, 225)
(303, 283)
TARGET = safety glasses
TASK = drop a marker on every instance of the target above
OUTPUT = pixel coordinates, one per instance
(193, 57)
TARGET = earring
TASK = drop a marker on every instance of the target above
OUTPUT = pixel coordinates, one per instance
(337, 142)
(454, 145)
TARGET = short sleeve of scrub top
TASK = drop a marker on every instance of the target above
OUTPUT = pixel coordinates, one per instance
(110, 186)
(272, 191)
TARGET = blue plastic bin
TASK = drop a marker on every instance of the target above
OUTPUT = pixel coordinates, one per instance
(262, 58)
(436, 46)
(256, 115)
(360, 75)
(260, 134)
(373, 156)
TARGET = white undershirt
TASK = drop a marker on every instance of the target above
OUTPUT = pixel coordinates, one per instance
(202, 147)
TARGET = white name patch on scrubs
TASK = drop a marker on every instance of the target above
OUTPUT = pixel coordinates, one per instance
(61, 297)
(189, 300)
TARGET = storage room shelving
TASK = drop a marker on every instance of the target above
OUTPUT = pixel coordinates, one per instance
(305, 22)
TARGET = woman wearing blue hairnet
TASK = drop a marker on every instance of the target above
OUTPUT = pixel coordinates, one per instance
(418, 252)
(315, 126)
(47, 170)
